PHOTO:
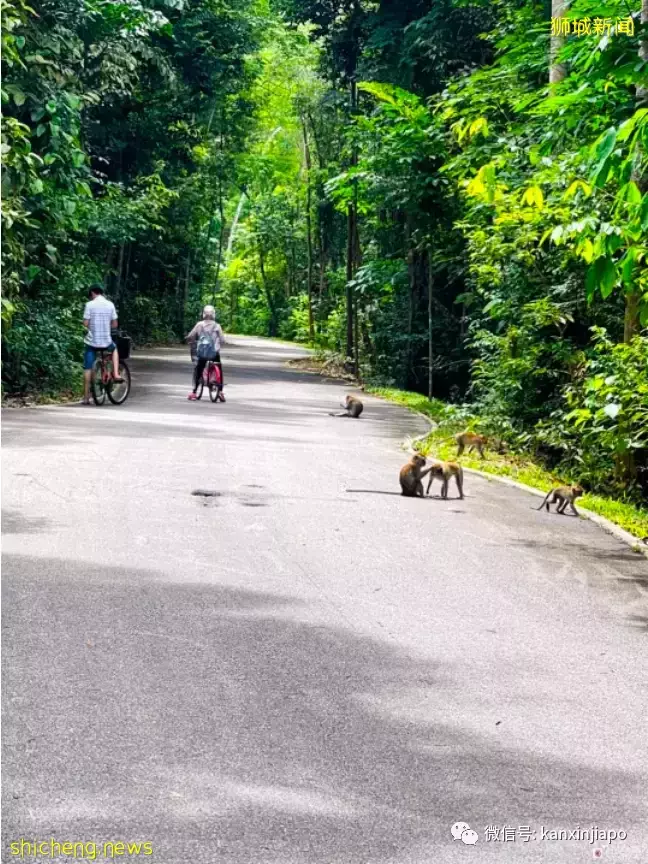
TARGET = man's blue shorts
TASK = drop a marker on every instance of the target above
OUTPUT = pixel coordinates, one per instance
(90, 354)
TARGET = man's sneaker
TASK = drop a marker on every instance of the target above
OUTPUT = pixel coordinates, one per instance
(118, 380)
(221, 396)
(192, 397)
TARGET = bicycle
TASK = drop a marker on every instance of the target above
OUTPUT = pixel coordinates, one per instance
(102, 384)
(212, 379)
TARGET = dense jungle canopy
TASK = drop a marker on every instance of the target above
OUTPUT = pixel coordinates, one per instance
(451, 194)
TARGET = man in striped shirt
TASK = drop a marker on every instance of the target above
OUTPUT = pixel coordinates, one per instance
(99, 318)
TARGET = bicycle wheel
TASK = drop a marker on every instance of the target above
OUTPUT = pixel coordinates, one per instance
(200, 388)
(118, 393)
(97, 387)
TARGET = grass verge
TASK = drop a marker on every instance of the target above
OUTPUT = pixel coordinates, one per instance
(516, 466)
(48, 397)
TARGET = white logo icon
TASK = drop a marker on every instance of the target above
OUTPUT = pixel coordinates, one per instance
(462, 831)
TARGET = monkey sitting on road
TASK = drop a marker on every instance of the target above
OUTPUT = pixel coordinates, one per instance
(472, 441)
(411, 475)
(562, 496)
(353, 407)
(446, 470)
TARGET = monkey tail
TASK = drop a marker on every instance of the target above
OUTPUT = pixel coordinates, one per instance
(544, 502)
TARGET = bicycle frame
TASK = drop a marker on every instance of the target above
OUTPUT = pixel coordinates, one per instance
(211, 374)
(106, 373)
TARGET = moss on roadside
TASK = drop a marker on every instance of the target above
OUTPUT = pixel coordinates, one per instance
(517, 466)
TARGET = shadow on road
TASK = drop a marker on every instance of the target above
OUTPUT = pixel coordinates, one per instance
(14, 522)
(214, 722)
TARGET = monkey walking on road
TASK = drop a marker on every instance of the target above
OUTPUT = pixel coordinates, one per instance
(353, 406)
(562, 496)
(446, 470)
(411, 475)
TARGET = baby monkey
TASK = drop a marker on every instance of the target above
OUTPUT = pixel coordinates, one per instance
(562, 496)
(472, 441)
(446, 470)
(411, 475)
(353, 407)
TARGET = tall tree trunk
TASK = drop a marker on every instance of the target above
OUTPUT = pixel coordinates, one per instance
(109, 264)
(642, 92)
(271, 304)
(178, 298)
(128, 263)
(233, 304)
(631, 323)
(430, 333)
(349, 289)
(187, 280)
(351, 246)
(357, 259)
(221, 240)
(293, 263)
(309, 235)
(411, 272)
(322, 256)
(120, 267)
(322, 265)
(557, 71)
(356, 346)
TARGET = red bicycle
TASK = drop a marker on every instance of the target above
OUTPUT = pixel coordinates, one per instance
(102, 383)
(212, 379)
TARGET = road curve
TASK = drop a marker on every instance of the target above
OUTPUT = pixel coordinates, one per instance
(305, 668)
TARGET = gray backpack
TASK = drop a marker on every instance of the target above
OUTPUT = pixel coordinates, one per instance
(206, 349)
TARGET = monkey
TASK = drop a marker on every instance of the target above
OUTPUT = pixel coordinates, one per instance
(411, 475)
(446, 470)
(562, 496)
(353, 406)
(470, 440)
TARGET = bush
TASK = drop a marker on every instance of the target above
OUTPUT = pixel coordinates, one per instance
(43, 349)
(602, 426)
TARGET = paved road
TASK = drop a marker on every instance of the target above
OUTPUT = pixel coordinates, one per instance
(307, 668)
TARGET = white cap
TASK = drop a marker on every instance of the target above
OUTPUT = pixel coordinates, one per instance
(209, 312)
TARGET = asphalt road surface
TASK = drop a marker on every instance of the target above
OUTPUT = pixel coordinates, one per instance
(305, 668)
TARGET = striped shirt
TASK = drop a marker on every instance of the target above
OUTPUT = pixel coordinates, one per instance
(100, 313)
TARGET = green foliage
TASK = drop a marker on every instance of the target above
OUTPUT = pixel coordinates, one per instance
(123, 124)
(602, 420)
